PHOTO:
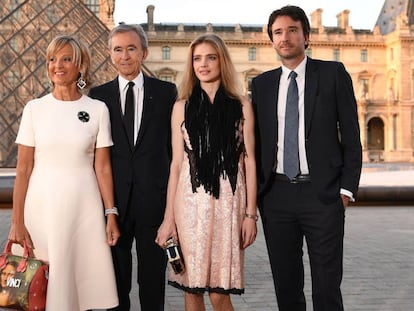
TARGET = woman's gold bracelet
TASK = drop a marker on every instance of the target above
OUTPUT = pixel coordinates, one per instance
(251, 216)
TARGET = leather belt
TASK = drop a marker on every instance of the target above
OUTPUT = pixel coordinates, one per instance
(301, 178)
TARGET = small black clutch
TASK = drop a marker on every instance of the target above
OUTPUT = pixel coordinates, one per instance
(174, 255)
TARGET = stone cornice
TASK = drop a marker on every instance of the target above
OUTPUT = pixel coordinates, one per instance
(347, 44)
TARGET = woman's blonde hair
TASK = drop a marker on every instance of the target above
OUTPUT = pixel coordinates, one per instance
(81, 57)
(228, 74)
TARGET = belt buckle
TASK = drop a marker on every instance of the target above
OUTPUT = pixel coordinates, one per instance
(294, 180)
(301, 179)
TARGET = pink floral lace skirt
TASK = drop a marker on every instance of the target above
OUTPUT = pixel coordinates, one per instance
(209, 232)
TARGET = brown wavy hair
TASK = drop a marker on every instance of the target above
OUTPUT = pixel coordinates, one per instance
(228, 74)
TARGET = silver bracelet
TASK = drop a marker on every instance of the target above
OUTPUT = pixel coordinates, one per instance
(113, 210)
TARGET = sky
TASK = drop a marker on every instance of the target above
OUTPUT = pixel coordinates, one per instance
(363, 13)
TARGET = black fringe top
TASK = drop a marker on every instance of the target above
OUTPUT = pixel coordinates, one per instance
(214, 133)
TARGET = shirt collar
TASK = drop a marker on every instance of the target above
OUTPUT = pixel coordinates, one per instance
(300, 69)
(139, 81)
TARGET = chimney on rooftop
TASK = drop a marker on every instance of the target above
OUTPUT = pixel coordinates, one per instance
(343, 19)
(316, 18)
(150, 17)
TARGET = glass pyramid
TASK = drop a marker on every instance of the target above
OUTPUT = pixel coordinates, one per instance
(26, 28)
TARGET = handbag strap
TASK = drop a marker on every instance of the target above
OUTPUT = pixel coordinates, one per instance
(8, 251)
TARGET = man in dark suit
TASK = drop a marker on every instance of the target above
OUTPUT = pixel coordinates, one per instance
(140, 119)
(303, 192)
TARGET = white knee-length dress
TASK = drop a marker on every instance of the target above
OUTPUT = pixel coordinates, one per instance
(63, 207)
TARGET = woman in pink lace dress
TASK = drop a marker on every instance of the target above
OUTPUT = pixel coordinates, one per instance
(211, 199)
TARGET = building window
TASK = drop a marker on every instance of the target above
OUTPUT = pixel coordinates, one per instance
(391, 54)
(364, 56)
(166, 78)
(336, 55)
(252, 54)
(93, 5)
(166, 74)
(308, 52)
(375, 134)
(166, 52)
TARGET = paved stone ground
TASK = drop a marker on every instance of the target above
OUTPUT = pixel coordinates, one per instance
(378, 264)
(378, 259)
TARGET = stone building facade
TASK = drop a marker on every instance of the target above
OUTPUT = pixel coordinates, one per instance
(380, 61)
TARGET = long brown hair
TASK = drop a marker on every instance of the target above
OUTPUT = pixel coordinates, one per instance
(228, 74)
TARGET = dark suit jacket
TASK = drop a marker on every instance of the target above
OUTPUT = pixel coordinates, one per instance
(332, 138)
(141, 172)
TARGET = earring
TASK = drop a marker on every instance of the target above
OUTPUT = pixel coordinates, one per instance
(81, 83)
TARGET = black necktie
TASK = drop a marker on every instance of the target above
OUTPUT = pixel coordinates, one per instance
(291, 147)
(129, 112)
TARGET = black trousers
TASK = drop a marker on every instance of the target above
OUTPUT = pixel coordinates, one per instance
(291, 212)
(152, 263)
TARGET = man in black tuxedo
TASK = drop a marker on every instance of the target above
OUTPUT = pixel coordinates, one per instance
(303, 193)
(140, 119)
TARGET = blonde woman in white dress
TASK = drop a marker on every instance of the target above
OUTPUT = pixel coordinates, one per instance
(64, 183)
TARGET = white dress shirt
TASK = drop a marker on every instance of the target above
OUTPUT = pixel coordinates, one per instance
(281, 109)
(139, 99)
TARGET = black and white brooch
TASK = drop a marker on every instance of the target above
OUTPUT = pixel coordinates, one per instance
(83, 116)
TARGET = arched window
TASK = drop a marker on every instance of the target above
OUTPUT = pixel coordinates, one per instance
(166, 77)
(376, 134)
(166, 74)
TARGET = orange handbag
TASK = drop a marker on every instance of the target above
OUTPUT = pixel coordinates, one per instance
(23, 279)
